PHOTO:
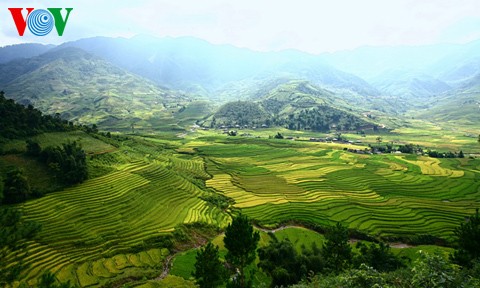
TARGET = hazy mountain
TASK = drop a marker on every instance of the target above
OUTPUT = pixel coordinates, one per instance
(106, 84)
(411, 86)
(12, 52)
(460, 109)
(464, 73)
(84, 87)
(435, 60)
(196, 66)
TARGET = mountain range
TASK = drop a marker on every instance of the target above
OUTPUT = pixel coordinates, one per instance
(147, 80)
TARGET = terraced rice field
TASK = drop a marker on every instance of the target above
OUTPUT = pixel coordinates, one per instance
(380, 194)
(88, 230)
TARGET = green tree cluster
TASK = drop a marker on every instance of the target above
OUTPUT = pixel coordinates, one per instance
(322, 119)
(15, 187)
(468, 235)
(68, 162)
(378, 256)
(281, 261)
(20, 121)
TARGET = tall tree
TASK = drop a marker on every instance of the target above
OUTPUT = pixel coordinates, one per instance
(16, 187)
(468, 240)
(241, 242)
(209, 271)
(281, 261)
(336, 251)
(378, 256)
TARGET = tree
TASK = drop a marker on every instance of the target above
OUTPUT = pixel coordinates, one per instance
(336, 251)
(209, 271)
(241, 242)
(433, 270)
(278, 136)
(16, 187)
(33, 148)
(379, 257)
(68, 162)
(461, 155)
(468, 241)
(281, 261)
(379, 139)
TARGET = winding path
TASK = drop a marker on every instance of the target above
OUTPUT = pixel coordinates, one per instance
(398, 245)
(168, 261)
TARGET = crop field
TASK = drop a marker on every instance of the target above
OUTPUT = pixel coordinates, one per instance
(89, 230)
(389, 194)
(94, 233)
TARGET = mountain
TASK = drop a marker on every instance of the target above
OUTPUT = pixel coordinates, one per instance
(12, 52)
(434, 60)
(412, 71)
(295, 104)
(196, 66)
(464, 74)
(460, 109)
(411, 86)
(85, 88)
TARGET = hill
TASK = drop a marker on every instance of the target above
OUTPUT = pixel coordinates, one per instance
(87, 89)
(296, 104)
(19, 51)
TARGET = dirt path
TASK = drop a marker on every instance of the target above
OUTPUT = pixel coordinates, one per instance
(398, 245)
(277, 229)
(166, 266)
(168, 262)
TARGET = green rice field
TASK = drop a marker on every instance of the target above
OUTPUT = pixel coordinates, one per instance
(94, 233)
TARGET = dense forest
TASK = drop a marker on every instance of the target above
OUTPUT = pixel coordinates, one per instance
(321, 118)
(20, 121)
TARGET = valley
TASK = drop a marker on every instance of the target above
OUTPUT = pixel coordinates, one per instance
(178, 143)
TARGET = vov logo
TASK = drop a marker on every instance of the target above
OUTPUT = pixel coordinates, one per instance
(39, 21)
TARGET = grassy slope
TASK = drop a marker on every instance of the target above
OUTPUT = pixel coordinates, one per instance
(88, 89)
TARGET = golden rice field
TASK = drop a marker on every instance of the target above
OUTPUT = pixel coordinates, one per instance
(379, 194)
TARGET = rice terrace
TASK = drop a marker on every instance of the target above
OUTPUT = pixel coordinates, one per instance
(176, 159)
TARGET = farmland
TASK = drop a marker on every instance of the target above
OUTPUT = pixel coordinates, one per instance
(379, 194)
(96, 232)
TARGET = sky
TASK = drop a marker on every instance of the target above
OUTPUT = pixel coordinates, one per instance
(313, 26)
